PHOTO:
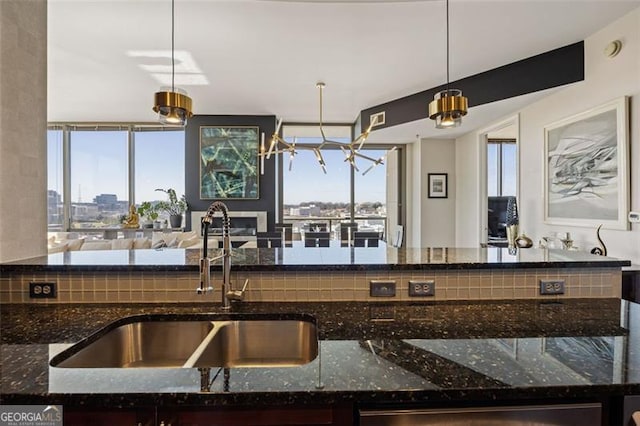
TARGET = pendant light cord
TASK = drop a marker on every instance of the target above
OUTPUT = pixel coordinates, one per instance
(447, 3)
(173, 59)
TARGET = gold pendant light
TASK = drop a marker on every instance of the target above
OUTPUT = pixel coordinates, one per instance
(448, 106)
(173, 108)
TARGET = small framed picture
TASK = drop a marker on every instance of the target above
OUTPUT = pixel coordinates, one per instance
(438, 185)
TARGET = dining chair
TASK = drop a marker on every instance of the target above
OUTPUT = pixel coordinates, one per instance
(269, 239)
(366, 239)
(316, 239)
(347, 230)
(287, 231)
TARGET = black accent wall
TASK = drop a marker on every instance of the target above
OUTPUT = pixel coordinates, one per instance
(266, 201)
(550, 69)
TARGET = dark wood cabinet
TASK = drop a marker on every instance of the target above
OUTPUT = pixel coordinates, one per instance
(268, 416)
(212, 416)
(103, 417)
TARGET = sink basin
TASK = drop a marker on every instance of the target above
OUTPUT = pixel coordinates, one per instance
(140, 344)
(162, 341)
(276, 343)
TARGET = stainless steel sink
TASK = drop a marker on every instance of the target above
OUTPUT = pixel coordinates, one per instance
(140, 344)
(163, 342)
(258, 344)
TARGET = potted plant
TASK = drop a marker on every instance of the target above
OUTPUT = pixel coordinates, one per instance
(148, 211)
(175, 207)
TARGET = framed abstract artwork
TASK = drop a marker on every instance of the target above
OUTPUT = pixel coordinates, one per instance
(229, 162)
(586, 168)
(438, 185)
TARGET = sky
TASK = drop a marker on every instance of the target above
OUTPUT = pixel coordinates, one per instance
(98, 165)
(307, 182)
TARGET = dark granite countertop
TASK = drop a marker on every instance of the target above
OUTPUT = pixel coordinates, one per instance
(382, 352)
(316, 259)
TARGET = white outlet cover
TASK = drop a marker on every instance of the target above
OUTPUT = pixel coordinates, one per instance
(634, 217)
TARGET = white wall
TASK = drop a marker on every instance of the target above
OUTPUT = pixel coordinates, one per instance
(413, 232)
(438, 228)
(605, 79)
(429, 221)
(467, 191)
(23, 127)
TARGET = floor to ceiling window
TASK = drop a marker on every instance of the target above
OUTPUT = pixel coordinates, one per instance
(501, 167)
(159, 164)
(55, 188)
(312, 199)
(99, 175)
(95, 164)
(370, 195)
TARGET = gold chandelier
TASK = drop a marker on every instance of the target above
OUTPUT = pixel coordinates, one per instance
(448, 106)
(351, 150)
(172, 107)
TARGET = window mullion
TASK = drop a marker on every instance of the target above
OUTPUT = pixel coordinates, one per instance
(66, 178)
(499, 167)
(132, 165)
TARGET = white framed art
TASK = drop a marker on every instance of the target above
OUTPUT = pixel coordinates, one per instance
(586, 168)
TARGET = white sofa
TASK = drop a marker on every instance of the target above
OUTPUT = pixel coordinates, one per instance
(68, 241)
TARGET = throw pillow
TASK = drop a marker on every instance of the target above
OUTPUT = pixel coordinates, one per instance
(141, 243)
(96, 245)
(122, 244)
(74, 245)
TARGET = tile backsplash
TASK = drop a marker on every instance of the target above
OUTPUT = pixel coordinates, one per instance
(175, 287)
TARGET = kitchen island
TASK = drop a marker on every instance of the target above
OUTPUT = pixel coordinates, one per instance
(314, 274)
(372, 355)
(484, 335)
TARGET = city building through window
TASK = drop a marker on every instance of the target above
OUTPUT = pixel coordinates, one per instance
(96, 172)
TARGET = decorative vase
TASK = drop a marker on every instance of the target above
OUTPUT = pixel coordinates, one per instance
(523, 241)
(512, 222)
(175, 220)
(512, 235)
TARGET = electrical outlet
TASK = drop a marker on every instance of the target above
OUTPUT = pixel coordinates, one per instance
(43, 290)
(549, 287)
(426, 288)
(382, 288)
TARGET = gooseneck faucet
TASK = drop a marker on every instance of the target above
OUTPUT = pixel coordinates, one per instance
(205, 261)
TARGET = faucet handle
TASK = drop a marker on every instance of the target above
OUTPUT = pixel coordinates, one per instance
(204, 290)
(238, 295)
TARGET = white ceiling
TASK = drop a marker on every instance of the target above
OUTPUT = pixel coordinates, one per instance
(108, 57)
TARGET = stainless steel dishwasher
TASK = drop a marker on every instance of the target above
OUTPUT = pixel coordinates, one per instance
(534, 415)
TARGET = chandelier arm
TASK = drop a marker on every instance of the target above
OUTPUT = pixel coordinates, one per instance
(292, 154)
(272, 146)
(320, 86)
(320, 159)
(371, 167)
(334, 143)
(362, 141)
(349, 156)
(275, 138)
(358, 154)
